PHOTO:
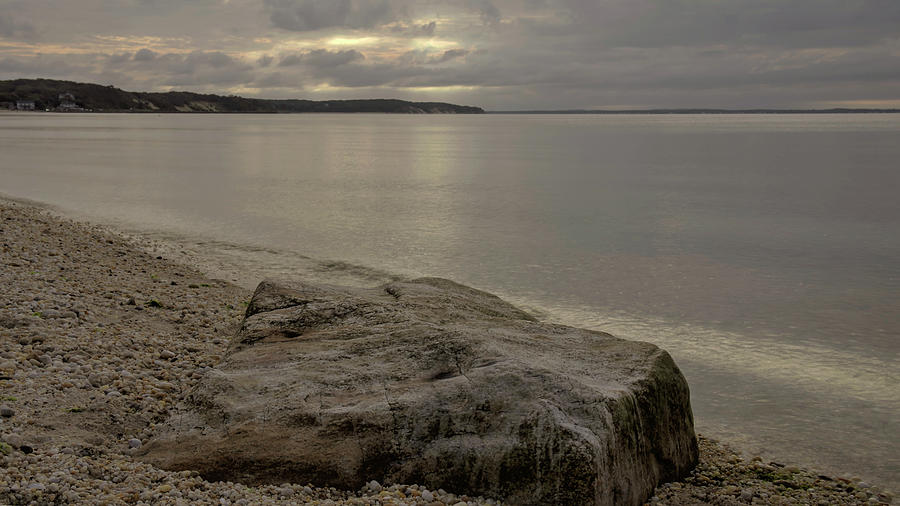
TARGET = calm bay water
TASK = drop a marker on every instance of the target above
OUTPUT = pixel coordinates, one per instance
(763, 252)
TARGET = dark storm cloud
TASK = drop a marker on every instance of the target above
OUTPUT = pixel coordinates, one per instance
(119, 58)
(308, 15)
(38, 65)
(451, 54)
(422, 30)
(200, 68)
(426, 29)
(486, 8)
(12, 28)
(144, 55)
(214, 59)
(278, 79)
(369, 75)
(794, 23)
(421, 57)
(321, 58)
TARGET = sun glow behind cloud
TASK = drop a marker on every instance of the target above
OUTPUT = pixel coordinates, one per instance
(437, 44)
(353, 41)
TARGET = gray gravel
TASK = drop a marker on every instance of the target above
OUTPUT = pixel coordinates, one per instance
(99, 338)
(723, 477)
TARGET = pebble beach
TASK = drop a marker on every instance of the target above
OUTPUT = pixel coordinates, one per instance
(100, 336)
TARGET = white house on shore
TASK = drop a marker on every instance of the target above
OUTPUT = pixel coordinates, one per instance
(24, 105)
(67, 102)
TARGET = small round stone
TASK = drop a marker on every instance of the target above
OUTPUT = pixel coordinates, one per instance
(13, 440)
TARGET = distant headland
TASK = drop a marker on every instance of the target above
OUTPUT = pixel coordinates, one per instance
(68, 96)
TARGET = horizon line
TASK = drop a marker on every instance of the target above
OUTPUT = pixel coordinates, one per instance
(704, 110)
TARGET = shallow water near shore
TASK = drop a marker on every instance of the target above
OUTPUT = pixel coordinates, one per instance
(761, 251)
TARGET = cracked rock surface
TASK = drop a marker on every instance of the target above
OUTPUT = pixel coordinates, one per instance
(99, 338)
(435, 383)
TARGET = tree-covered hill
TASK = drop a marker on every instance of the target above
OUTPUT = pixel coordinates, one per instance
(46, 95)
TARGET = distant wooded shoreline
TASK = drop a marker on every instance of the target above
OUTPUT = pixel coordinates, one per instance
(68, 96)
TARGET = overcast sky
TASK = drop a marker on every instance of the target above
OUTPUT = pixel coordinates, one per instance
(498, 54)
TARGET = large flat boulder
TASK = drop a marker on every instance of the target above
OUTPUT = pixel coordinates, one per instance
(434, 383)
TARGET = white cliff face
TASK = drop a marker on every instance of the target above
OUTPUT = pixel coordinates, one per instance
(434, 383)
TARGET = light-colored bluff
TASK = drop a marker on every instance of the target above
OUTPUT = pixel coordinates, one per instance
(432, 382)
